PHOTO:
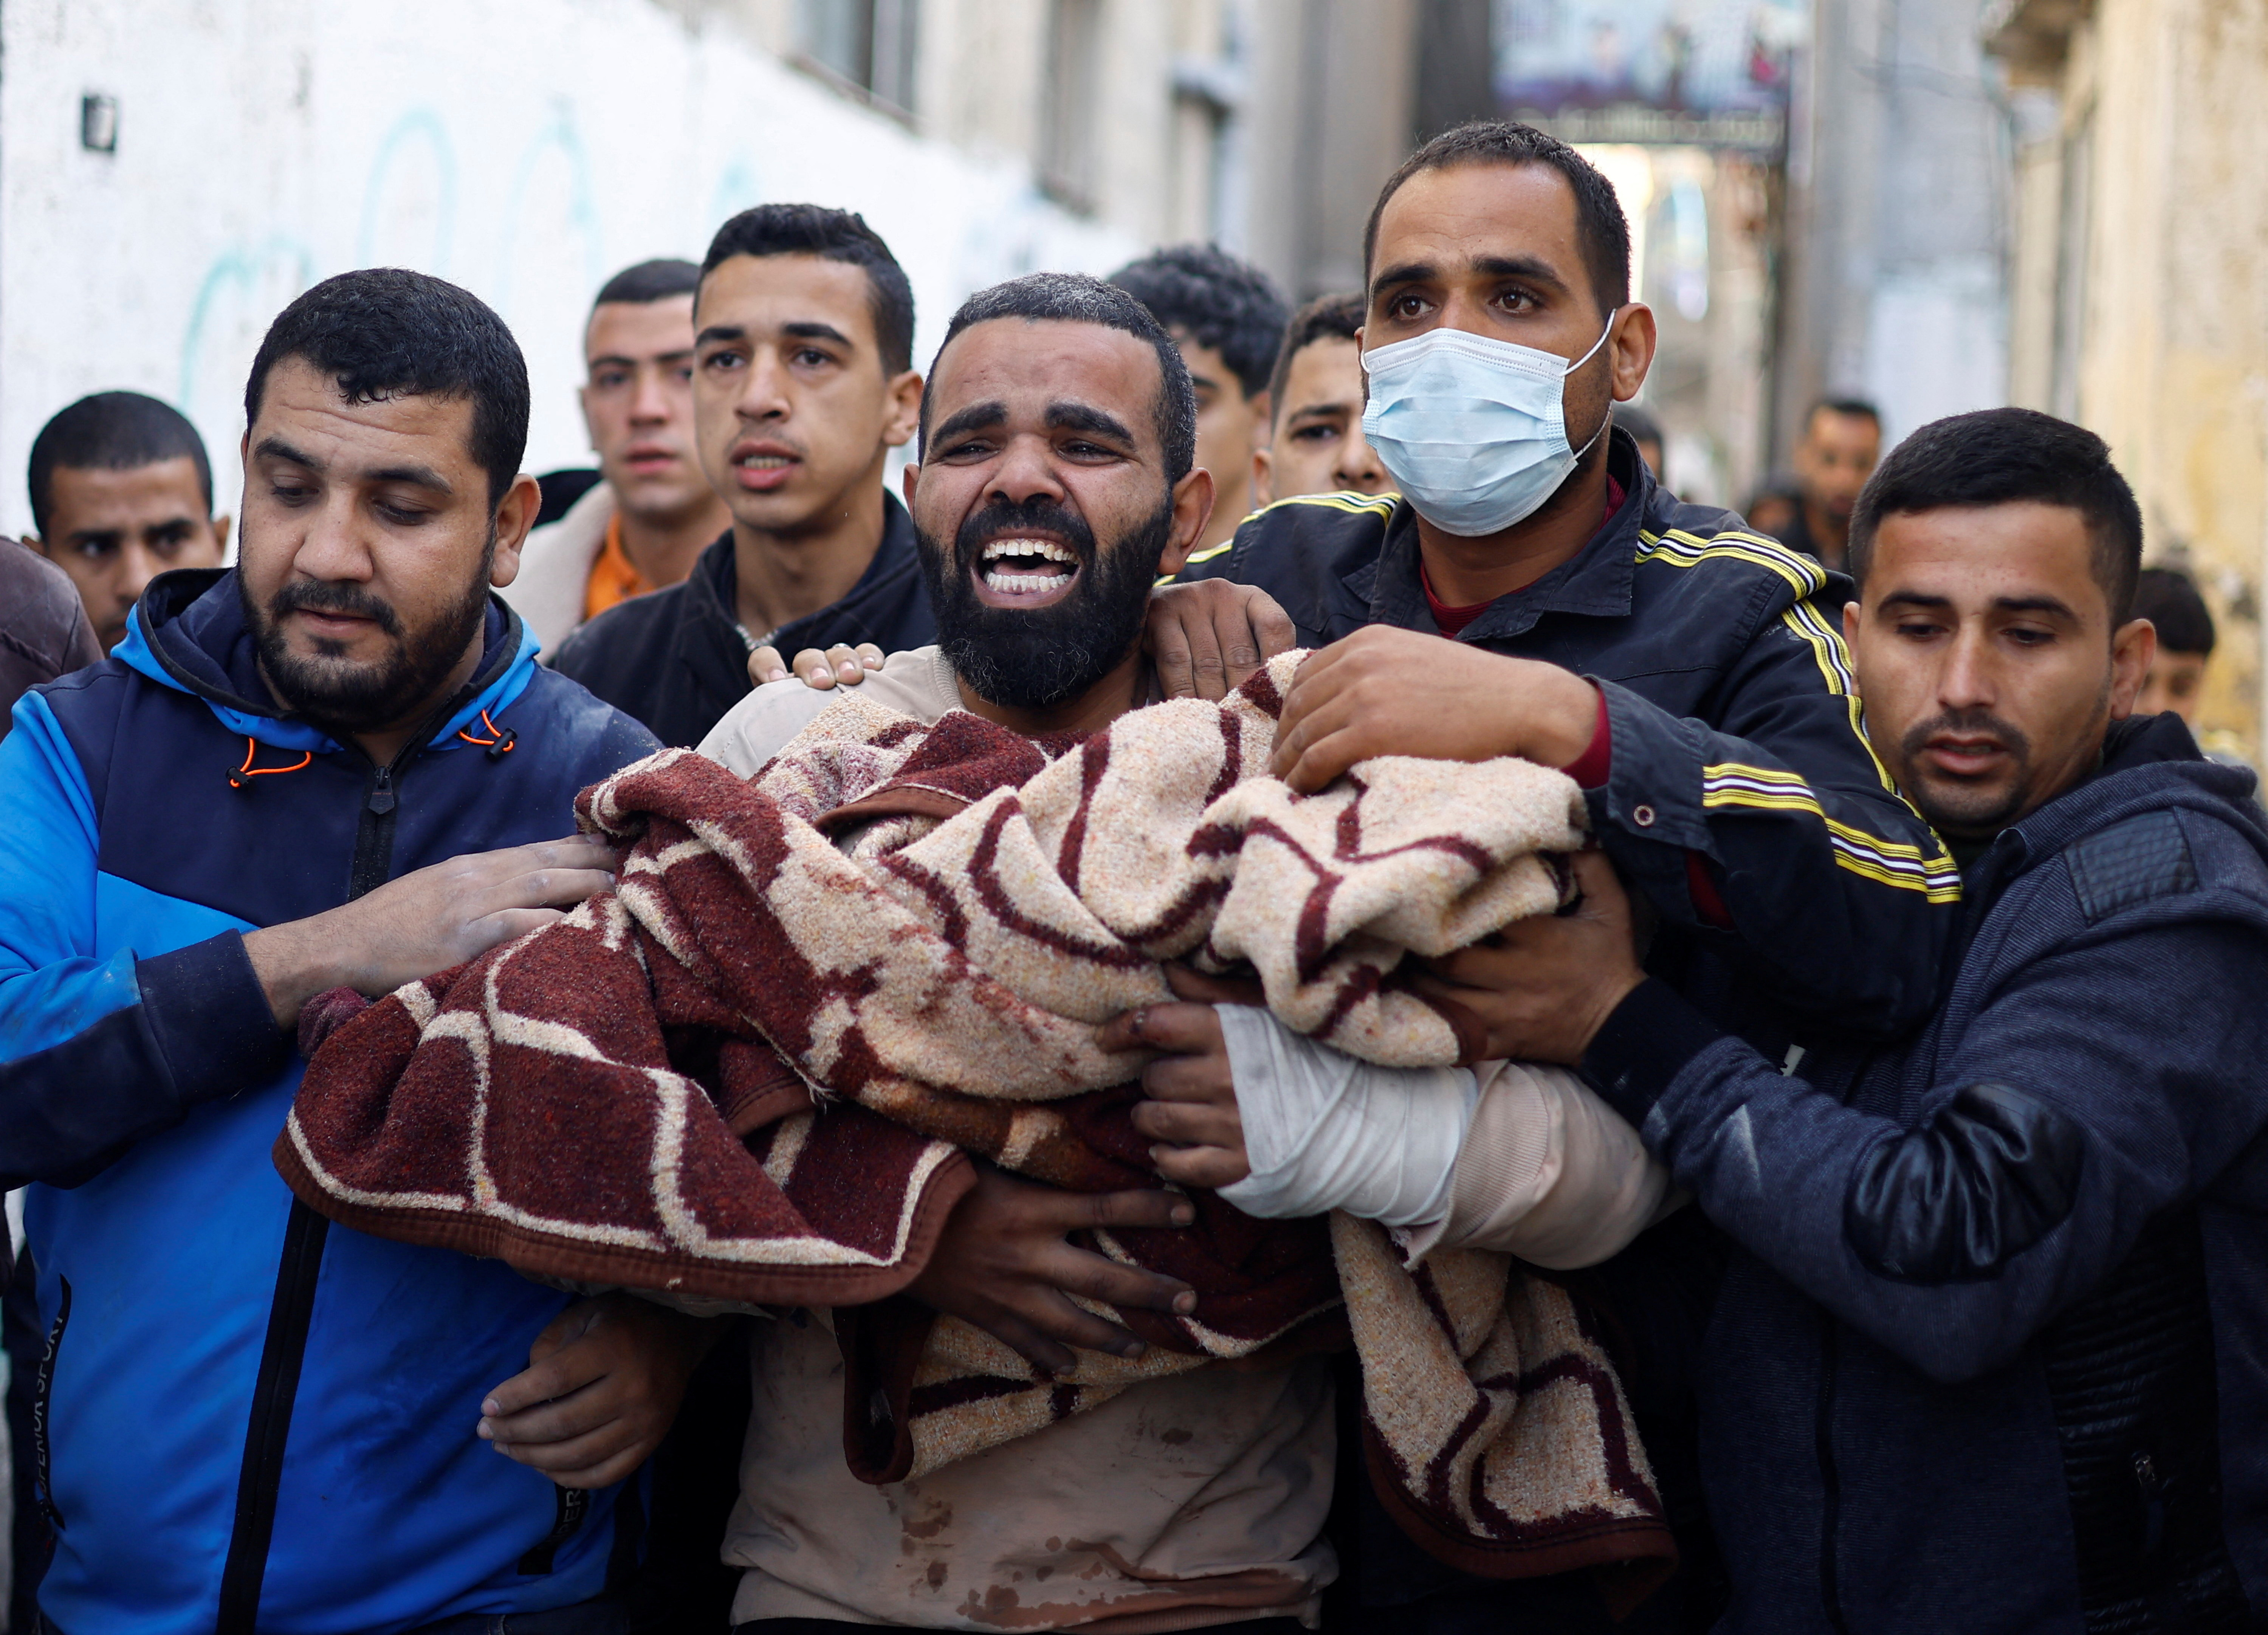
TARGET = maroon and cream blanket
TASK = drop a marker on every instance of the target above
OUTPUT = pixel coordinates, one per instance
(752, 1073)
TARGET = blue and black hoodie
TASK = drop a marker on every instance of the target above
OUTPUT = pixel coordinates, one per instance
(248, 1417)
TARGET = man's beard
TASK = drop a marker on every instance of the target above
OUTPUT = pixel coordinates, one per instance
(329, 690)
(1039, 658)
(1978, 809)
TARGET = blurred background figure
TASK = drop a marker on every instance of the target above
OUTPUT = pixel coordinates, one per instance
(647, 511)
(2169, 598)
(1229, 320)
(122, 492)
(1646, 431)
(1315, 443)
(1841, 445)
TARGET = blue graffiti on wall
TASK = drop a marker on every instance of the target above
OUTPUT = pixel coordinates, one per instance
(419, 126)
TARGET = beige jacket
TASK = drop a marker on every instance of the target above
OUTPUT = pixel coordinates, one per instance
(555, 568)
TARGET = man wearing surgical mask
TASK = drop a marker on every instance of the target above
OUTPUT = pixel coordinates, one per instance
(1689, 675)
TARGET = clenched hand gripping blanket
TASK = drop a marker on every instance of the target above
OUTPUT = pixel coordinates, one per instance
(605, 1102)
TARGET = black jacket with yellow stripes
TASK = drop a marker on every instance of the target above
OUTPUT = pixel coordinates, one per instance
(1736, 732)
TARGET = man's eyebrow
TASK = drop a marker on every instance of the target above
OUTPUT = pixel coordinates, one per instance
(1529, 267)
(1086, 417)
(274, 447)
(2054, 605)
(720, 332)
(1339, 406)
(812, 329)
(974, 417)
(623, 360)
(87, 536)
(416, 476)
(1404, 272)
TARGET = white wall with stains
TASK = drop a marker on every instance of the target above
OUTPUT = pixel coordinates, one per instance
(524, 149)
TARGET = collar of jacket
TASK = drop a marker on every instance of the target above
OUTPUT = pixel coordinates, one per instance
(1595, 580)
(2148, 763)
(712, 591)
(187, 633)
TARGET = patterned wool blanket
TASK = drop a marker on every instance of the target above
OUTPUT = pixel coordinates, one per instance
(751, 1074)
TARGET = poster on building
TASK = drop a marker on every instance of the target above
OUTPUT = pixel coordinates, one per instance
(1709, 73)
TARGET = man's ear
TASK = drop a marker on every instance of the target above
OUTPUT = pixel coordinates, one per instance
(904, 417)
(515, 516)
(1264, 477)
(1192, 510)
(2132, 648)
(910, 479)
(220, 526)
(1630, 350)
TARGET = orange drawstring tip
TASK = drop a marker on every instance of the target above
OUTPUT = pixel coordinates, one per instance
(499, 741)
(241, 779)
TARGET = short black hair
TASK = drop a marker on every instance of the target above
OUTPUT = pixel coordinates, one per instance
(385, 332)
(2169, 598)
(1077, 299)
(1859, 408)
(831, 235)
(1326, 317)
(649, 282)
(1601, 227)
(1215, 300)
(1997, 457)
(112, 431)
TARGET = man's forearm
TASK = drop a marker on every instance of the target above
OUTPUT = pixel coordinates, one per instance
(198, 1031)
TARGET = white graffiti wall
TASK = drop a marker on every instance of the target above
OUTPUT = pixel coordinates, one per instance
(524, 149)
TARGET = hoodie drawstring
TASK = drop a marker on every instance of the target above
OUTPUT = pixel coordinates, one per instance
(499, 741)
(241, 779)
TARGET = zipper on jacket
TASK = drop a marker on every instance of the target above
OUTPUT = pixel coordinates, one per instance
(290, 1311)
(41, 1400)
(1830, 1485)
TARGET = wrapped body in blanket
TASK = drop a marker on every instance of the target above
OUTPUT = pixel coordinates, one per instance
(753, 1074)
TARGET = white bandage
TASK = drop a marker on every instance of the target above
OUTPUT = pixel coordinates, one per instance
(1325, 1131)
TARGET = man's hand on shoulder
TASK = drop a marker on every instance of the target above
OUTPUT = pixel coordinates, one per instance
(1543, 987)
(838, 665)
(440, 915)
(1205, 638)
(1002, 1264)
(603, 1385)
(1384, 691)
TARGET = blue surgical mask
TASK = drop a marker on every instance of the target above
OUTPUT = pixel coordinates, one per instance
(1473, 431)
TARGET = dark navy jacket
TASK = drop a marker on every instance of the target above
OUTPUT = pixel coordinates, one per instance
(676, 659)
(1990, 1356)
(194, 1312)
(1736, 750)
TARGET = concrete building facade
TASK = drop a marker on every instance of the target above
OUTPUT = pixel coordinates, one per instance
(2140, 280)
(169, 178)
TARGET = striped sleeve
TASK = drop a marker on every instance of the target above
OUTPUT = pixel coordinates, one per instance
(1834, 884)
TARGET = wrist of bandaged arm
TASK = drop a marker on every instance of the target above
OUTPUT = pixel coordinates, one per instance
(1548, 1172)
(1323, 1130)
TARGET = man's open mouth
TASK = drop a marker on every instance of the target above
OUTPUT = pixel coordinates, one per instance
(1021, 569)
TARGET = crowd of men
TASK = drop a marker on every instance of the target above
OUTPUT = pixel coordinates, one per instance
(1926, 1235)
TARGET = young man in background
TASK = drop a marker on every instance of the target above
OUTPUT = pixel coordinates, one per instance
(1315, 443)
(803, 382)
(122, 491)
(1842, 440)
(1228, 321)
(640, 526)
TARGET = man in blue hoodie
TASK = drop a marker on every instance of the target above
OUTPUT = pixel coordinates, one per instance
(337, 764)
(1988, 1355)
